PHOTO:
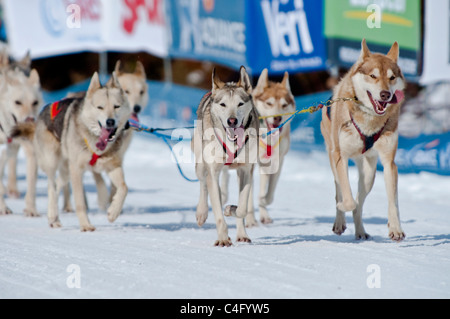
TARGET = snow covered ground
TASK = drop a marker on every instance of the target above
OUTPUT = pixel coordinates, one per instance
(156, 250)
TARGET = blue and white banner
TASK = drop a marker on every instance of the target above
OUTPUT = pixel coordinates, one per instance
(211, 30)
(285, 35)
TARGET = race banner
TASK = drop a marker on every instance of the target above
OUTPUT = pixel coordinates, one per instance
(54, 27)
(285, 35)
(211, 30)
(381, 23)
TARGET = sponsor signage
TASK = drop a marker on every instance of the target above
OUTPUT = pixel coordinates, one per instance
(212, 30)
(285, 35)
(53, 27)
(381, 23)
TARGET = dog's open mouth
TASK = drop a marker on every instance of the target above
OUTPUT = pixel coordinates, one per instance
(273, 126)
(235, 135)
(107, 135)
(380, 107)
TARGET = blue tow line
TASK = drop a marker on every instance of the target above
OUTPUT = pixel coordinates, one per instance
(155, 131)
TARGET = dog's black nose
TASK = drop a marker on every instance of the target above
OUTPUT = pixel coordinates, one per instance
(232, 122)
(385, 95)
(110, 123)
(277, 120)
(137, 109)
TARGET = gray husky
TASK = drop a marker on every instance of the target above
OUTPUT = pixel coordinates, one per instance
(226, 135)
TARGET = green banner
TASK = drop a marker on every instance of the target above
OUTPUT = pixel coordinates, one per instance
(378, 21)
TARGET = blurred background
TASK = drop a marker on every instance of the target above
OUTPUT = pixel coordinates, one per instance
(179, 42)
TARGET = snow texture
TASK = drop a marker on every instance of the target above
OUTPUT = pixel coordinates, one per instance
(156, 250)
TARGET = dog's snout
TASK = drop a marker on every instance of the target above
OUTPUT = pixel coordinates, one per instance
(137, 108)
(277, 120)
(232, 122)
(110, 123)
(385, 95)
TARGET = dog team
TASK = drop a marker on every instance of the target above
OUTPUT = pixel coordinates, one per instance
(239, 127)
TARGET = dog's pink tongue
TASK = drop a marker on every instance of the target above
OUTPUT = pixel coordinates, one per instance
(103, 139)
(399, 95)
(240, 136)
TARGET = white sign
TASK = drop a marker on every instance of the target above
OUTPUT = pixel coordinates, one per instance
(54, 27)
(436, 64)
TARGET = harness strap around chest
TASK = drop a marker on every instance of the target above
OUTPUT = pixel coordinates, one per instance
(368, 141)
(94, 157)
(230, 155)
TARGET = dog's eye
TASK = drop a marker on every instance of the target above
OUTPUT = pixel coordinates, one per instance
(116, 106)
(18, 102)
(285, 105)
(35, 103)
(240, 104)
(100, 107)
(142, 92)
(392, 78)
(373, 76)
(127, 92)
(269, 103)
(223, 104)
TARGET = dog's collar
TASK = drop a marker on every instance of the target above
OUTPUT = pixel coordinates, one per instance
(269, 148)
(94, 156)
(368, 141)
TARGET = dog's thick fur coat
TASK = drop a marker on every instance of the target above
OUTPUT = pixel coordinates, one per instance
(226, 135)
(364, 128)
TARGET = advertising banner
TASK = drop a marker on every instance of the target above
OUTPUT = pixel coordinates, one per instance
(54, 27)
(381, 23)
(135, 25)
(285, 35)
(211, 30)
(436, 42)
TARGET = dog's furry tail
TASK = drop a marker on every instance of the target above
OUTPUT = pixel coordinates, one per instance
(24, 130)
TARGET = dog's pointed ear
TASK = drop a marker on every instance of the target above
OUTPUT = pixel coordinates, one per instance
(244, 80)
(365, 52)
(113, 81)
(140, 70)
(216, 82)
(285, 81)
(263, 82)
(394, 52)
(117, 67)
(34, 79)
(25, 63)
(94, 85)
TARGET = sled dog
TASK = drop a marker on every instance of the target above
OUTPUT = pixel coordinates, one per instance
(226, 136)
(364, 127)
(20, 99)
(79, 134)
(272, 100)
(134, 85)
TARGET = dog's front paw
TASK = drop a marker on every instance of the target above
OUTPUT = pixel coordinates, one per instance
(396, 234)
(87, 227)
(201, 216)
(5, 211)
(112, 215)
(250, 221)
(31, 212)
(223, 243)
(339, 227)
(362, 235)
(243, 239)
(55, 224)
(233, 210)
(346, 205)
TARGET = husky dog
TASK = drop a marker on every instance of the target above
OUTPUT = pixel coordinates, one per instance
(134, 85)
(79, 134)
(362, 125)
(20, 99)
(226, 136)
(17, 69)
